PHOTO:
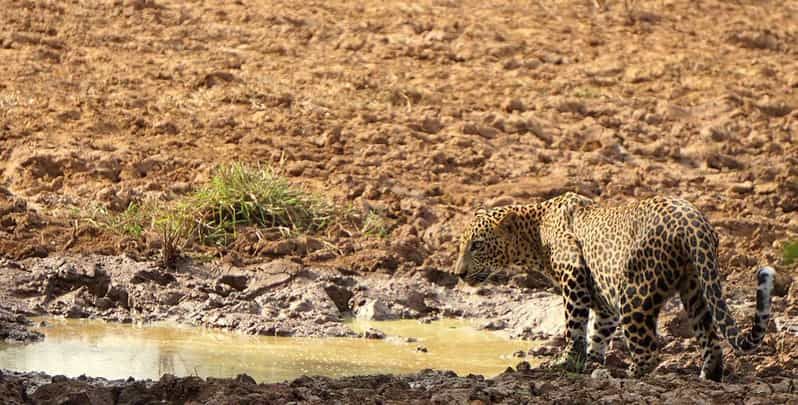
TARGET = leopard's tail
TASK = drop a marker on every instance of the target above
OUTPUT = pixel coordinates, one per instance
(710, 284)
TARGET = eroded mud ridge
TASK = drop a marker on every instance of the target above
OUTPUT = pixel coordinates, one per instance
(278, 298)
(512, 387)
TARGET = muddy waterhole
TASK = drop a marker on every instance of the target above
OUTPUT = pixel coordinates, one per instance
(96, 348)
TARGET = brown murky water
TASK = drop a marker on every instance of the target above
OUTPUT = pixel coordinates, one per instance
(97, 348)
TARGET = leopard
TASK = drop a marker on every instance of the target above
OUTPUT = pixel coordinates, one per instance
(621, 263)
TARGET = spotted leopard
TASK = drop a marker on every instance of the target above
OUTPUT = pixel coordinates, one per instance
(622, 263)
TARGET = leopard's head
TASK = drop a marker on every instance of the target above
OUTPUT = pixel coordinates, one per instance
(486, 245)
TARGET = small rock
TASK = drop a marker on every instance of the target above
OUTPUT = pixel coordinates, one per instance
(340, 296)
(156, 276)
(775, 108)
(481, 130)
(487, 132)
(301, 306)
(543, 351)
(421, 349)
(237, 281)
(494, 325)
(215, 79)
(283, 332)
(442, 278)
(431, 125)
(571, 106)
(140, 4)
(374, 310)
(723, 161)
(552, 58)
(640, 74)
(170, 298)
(59, 379)
(745, 187)
(103, 303)
(520, 354)
(70, 115)
(512, 64)
(214, 301)
(261, 285)
(761, 388)
(76, 311)
(373, 333)
(716, 133)
(514, 105)
(783, 386)
(601, 373)
(166, 128)
(118, 294)
(430, 318)
(245, 379)
(766, 188)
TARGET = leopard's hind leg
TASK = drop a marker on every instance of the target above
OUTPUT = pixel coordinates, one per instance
(703, 328)
(649, 284)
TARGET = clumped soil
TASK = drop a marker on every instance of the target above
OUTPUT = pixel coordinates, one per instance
(514, 386)
(414, 113)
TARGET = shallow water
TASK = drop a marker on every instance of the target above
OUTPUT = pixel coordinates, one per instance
(110, 350)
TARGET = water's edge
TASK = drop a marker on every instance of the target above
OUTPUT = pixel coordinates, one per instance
(111, 350)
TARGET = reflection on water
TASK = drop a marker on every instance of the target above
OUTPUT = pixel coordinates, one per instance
(96, 348)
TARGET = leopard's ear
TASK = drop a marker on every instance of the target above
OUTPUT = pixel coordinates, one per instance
(509, 225)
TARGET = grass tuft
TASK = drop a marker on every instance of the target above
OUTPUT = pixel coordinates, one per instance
(237, 195)
(130, 222)
(173, 230)
(243, 195)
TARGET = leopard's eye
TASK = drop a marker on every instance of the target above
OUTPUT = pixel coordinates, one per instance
(476, 245)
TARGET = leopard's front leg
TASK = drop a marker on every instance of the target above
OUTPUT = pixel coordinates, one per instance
(576, 300)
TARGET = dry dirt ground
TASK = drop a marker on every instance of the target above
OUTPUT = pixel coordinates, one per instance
(418, 111)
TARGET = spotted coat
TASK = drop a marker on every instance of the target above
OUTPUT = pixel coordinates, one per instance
(622, 263)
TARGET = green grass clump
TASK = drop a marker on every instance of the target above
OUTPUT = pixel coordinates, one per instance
(791, 252)
(243, 195)
(130, 222)
(237, 195)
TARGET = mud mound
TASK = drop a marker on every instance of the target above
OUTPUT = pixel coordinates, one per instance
(14, 327)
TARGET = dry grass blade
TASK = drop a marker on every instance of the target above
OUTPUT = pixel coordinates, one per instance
(130, 222)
